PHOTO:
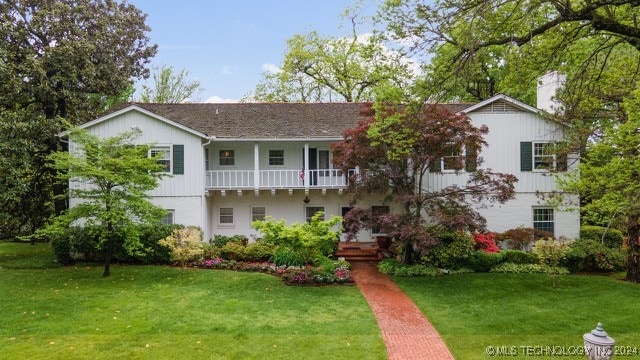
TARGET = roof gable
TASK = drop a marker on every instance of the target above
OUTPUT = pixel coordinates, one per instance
(500, 103)
(144, 111)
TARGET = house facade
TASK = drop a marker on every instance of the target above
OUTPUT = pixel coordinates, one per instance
(231, 164)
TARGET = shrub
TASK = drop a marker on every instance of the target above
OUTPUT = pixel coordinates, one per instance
(285, 256)
(511, 268)
(150, 250)
(221, 240)
(521, 238)
(593, 256)
(612, 238)
(486, 242)
(481, 261)
(307, 241)
(451, 252)
(254, 252)
(185, 245)
(394, 267)
(550, 253)
(519, 257)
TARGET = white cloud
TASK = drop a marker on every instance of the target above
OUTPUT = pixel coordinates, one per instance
(271, 68)
(218, 99)
(228, 70)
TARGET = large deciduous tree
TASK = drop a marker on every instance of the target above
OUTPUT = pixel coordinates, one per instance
(397, 151)
(170, 86)
(610, 181)
(60, 62)
(110, 179)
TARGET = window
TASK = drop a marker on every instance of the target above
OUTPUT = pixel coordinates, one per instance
(276, 157)
(544, 157)
(324, 162)
(226, 215)
(258, 213)
(312, 210)
(377, 211)
(206, 159)
(543, 219)
(454, 160)
(169, 217)
(227, 157)
(163, 155)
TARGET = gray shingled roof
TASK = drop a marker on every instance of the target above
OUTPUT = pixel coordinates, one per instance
(266, 120)
(263, 120)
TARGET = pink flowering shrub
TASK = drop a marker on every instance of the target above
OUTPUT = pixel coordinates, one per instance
(486, 242)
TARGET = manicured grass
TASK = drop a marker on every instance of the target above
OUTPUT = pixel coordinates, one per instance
(157, 312)
(475, 311)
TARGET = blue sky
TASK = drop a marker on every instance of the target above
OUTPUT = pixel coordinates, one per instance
(225, 44)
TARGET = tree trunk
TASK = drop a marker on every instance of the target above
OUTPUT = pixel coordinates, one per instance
(107, 258)
(633, 249)
(407, 256)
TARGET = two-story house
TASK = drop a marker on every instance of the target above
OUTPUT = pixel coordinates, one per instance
(235, 163)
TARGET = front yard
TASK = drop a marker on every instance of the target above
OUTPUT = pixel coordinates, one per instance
(161, 312)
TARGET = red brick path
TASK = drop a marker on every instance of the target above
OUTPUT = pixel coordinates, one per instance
(406, 331)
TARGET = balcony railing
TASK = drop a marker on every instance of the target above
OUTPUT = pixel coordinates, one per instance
(276, 179)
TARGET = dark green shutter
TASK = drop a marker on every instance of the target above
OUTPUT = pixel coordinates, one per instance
(561, 162)
(178, 159)
(436, 165)
(471, 158)
(526, 156)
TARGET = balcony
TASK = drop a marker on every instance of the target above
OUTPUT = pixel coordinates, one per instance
(276, 179)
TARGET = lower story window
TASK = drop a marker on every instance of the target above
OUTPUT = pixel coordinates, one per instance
(312, 210)
(258, 213)
(226, 215)
(169, 217)
(543, 219)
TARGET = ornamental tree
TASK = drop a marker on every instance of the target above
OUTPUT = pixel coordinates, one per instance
(397, 150)
(110, 177)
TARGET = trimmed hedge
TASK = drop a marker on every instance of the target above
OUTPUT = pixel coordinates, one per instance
(611, 238)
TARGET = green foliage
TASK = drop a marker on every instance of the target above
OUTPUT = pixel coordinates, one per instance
(394, 267)
(451, 252)
(593, 256)
(111, 178)
(170, 86)
(185, 245)
(519, 257)
(302, 241)
(286, 256)
(610, 237)
(481, 261)
(550, 253)
(254, 252)
(511, 268)
(221, 240)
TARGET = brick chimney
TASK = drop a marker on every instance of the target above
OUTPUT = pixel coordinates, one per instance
(548, 85)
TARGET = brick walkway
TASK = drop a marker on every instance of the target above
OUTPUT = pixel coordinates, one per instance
(406, 331)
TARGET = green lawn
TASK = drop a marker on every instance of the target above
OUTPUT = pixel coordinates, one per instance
(156, 312)
(476, 311)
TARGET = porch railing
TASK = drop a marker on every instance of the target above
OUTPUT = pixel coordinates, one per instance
(276, 179)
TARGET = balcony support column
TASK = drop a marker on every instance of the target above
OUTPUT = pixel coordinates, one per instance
(306, 178)
(256, 166)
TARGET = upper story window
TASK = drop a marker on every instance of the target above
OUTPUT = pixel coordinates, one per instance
(454, 160)
(542, 156)
(163, 155)
(227, 157)
(276, 157)
(206, 159)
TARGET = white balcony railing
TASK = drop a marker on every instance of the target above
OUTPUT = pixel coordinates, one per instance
(276, 179)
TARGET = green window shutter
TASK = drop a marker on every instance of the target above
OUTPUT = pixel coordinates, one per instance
(471, 158)
(178, 159)
(436, 165)
(526, 156)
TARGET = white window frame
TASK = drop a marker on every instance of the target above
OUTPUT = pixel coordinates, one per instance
(171, 214)
(325, 171)
(539, 149)
(257, 216)
(227, 214)
(232, 157)
(544, 221)
(443, 160)
(278, 160)
(168, 150)
(308, 217)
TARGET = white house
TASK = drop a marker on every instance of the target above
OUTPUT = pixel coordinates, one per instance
(235, 163)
